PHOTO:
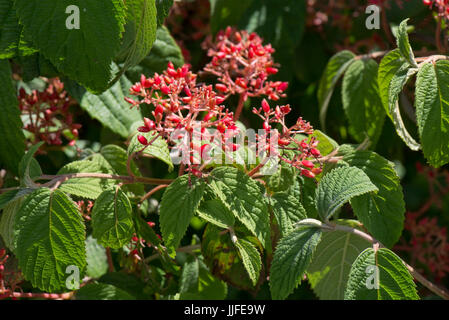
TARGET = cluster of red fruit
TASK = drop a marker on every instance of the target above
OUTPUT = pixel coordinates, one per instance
(138, 243)
(242, 65)
(189, 115)
(46, 114)
(441, 5)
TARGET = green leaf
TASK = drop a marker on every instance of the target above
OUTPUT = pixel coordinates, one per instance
(83, 54)
(282, 179)
(329, 270)
(326, 145)
(393, 74)
(394, 282)
(12, 38)
(7, 197)
(338, 187)
(241, 194)
(7, 222)
(381, 213)
(404, 45)
(227, 12)
(179, 202)
(432, 111)
(157, 149)
(335, 68)
(49, 236)
(112, 221)
(12, 142)
(102, 291)
(97, 261)
(361, 100)
(163, 9)
(251, 259)
(116, 159)
(140, 32)
(288, 210)
(126, 282)
(28, 166)
(215, 212)
(198, 284)
(305, 190)
(110, 107)
(164, 50)
(291, 259)
(89, 188)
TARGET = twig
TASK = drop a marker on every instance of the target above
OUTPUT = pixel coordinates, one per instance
(110, 262)
(182, 249)
(51, 296)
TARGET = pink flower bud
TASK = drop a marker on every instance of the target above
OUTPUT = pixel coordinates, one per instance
(142, 140)
(265, 106)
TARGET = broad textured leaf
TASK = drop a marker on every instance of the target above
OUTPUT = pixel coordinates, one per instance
(102, 291)
(329, 270)
(7, 197)
(49, 236)
(190, 275)
(288, 210)
(84, 54)
(110, 107)
(89, 188)
(12, 38)
(394, 72)
(432, 111)
(179, 202)
(164, 50)
(291, 259)
(7, 222)
(97, 261)
(326, 145)
(112, 221)
(163, 9)
(128, 283)
(215, 212)
(338, 187)
(404, 45)
(305, 190)
(394, 282)
(381, 213)
(140, 31)
(157, 149)
(241, 194)
(251, 259)
(361, 101)
(282, 179)
(12, 142)
(335, 68)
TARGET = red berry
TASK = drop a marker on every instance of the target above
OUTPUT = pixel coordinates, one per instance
(308, 164)
(149, 123)
(307, 173)
(142, 140)
(315, 152)
(265, 106)
(221, 87)
(271, 70)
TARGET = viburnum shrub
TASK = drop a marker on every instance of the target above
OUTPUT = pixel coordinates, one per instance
(205, 180)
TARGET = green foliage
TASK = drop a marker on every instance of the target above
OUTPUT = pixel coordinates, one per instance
(335, 68)
(112, 222)
(45, 22)
(89, 188)
(110, 107)
(432, 111)
(381, 213)
(404, 45)
(288, 210)
(157, 148)
(242, 196)
(215, 212)
(163, 9)
(49, 233)
(328, 272)
(250, 257)
(97, 261)
(392, 281)
(338, 187)
(197, 283)
(291, 259)
(179, 202)
(12, 142)
(102, 291)
(361, 100)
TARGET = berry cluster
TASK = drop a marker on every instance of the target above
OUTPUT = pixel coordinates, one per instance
(191, 116)
(442, 7)
(46, 114)
(186, 115)
(243, 64)
(301, 149)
